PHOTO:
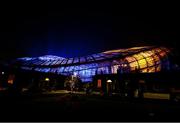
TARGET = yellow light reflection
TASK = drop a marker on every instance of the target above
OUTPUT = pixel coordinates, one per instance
(130, 59)
(151, 69)
(147, 61)
(138, 56)
(133, 65)
(156, 59)
(144, 70)
(142, 63)
(150, 61)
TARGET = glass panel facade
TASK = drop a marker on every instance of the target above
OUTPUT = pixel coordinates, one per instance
(130, 59)
(82, 59)
(60, 70)
(26, 68)
(76, 60)
(70, 61)
(97, 57)
(64, 62)
(138, 56)
(151, 69)
(71, 68)
(133, 65)
(156, 59)
(76, 68)
(103, 70)
(145, 59)
(89, 58)
(142, 63)
(114, 68)
(66, 69)
(158, 68)
(144, 70)
(150, 61)
(145, 54)
(58, 62)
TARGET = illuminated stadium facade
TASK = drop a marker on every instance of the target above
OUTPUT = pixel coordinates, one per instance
(147, 59)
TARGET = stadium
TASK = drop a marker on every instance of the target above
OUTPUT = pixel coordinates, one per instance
(145, 59)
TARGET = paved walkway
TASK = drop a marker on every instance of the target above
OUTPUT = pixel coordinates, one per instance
(65, 92)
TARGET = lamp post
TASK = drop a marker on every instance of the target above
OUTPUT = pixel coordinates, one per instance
(109, 83)
(47, 80)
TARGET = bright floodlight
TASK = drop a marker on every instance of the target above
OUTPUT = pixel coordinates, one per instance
(46, 79)
(109, 81)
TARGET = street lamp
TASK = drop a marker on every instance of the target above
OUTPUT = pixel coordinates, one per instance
(47, 79)
(109, 86)
(109, 81)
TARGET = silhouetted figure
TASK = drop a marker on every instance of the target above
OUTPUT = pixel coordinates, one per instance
(119, 70)
(136, 70)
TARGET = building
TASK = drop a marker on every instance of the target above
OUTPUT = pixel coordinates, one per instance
(123, 71)
(147, 59)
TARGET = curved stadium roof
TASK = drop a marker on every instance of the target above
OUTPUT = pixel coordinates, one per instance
(144, 59)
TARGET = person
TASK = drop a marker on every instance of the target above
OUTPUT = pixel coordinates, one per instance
(120, 70)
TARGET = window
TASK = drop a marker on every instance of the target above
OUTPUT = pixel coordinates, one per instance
(138, 56)
(150, 61)
(142, 63)
(133, 65)
(130, 59)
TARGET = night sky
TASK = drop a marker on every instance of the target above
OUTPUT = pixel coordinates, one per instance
(74, 29)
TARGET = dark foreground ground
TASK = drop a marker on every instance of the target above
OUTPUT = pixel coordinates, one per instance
(67, 107)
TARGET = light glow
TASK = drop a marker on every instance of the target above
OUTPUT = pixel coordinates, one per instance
(46, 79)
(109, 81)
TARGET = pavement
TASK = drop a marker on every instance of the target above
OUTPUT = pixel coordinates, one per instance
(65, 106)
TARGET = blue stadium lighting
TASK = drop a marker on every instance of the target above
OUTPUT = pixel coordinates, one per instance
(145, 59)
(50, 57)
(25, 58)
